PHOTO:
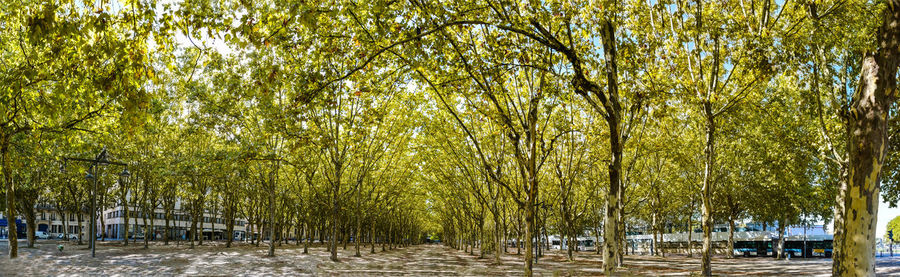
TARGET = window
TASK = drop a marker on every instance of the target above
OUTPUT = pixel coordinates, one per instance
(43, 216)
(52, 216)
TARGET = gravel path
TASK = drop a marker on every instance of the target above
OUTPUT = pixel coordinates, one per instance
(214, 259)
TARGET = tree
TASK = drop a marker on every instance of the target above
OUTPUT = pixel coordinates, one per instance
(868, 140)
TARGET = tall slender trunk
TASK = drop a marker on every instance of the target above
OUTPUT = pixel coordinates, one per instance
(690, 230)
(80, 230)
(498, 238)
(529, 238)
(335, 190)
(372, 234)
(10, 195)
(308, 236)
(30, 226)
(611, 221)
(193, 231)
(596, 237)
(65, 224)
(126, 215)
(730, 253)
(229, 214)
(146, 230)
(705, 260)
(779, 251)
(102, 222)
(298, 231)
(168, 229)
(272, 214)
(357, 237)
(654, 225)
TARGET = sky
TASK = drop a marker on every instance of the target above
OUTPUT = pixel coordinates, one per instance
(885, 214)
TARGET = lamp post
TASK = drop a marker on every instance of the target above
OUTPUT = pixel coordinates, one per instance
(123, 182)
(92, 176)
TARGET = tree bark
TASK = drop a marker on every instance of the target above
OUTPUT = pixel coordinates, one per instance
(779, 251)
(529, 231)
(168, 229)
(868, 144)
(690, 230)
(730, 236)
(65, 224)
(707, 219)
(335, 190)
(80, 230)
(126, 214)
(272, 213)
(10, 196)
(146, 230)
(30, 226)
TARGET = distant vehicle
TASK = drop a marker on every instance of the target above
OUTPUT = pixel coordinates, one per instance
(71, 236)
(41, 235)
(753, 248)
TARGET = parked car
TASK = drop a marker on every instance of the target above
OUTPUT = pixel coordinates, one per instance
(71, 236)
(41, 235)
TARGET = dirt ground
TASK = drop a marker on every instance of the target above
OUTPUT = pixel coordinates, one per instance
(114, 259)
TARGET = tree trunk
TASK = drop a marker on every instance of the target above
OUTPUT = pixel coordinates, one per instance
(356, 237)
(10, 196)
(65, 225)
(102, 222)
(498, 238)
(839, 210)
(193, 231)
(31, 225)
(529, 238)
(690, 230)
(596, 237)
(80, 228)
(655, 244)
(146, 230)
(298, 231)
(168, 229)
(705, 266)
(779, 252)
(126, 214)
(372, 235)
(730, 236)
(309, 237)
(272, 216)
(868, 143)
(336, 189)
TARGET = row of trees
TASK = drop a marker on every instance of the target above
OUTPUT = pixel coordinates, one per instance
(481, 120)
(228, 135)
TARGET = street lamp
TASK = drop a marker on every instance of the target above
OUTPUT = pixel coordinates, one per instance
(93, 231)
(123, 179)
(99, 160)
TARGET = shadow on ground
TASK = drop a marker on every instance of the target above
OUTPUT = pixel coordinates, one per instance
(213, 259)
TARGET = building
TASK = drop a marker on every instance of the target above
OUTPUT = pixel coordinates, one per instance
(213, 226)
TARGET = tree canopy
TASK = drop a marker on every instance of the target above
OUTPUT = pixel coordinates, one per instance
(475, 122)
